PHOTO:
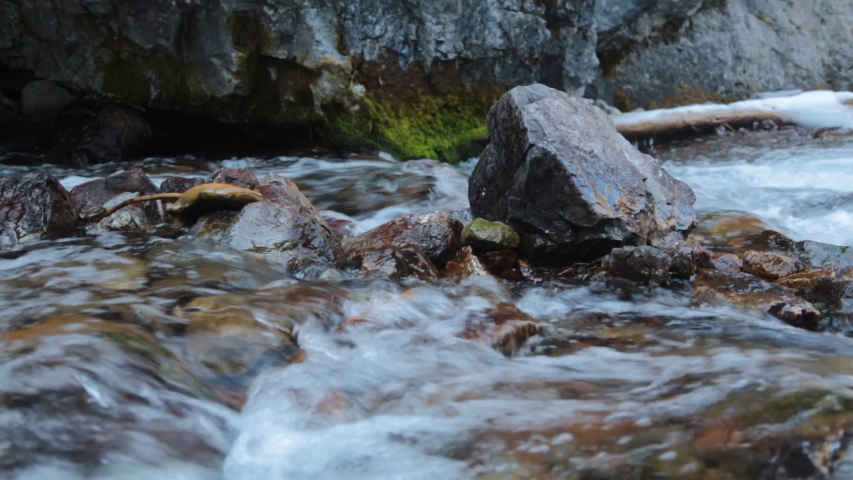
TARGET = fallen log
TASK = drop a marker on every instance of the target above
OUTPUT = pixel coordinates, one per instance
(813, 110)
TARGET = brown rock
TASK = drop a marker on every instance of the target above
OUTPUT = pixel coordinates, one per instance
(34, 205)
(437, 234)
(464, 265)
(95, 194)
(752, 292)
(504, 328)
(239, 177)
(396, 263)
(726, 262)
(640, 264)
(769, 266)
(804, 280)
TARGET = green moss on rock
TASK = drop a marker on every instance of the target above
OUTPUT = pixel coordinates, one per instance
(447, 127)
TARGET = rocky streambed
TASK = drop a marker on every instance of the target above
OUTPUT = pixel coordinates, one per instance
(560, 308)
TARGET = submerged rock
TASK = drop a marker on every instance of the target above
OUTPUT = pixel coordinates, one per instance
(557, 172)
(35, 205)
(84, 390)
(437, 234)
(485, 235)
(505, 328)
(640, 264)
(752, 292)
(283, 228)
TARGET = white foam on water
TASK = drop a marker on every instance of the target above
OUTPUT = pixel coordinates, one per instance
(806, 191)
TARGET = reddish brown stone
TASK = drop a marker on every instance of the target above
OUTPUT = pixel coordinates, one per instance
(34, 205)
(239, 177)
(769, 265)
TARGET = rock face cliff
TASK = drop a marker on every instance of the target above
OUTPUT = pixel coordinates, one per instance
(413, 77)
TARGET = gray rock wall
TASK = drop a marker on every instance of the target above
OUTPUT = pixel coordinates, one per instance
(355, 62)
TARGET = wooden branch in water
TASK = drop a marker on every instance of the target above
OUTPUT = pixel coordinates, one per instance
(813, 110)
(130, 201)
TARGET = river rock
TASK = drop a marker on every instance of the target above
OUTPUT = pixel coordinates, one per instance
(752, 292)
(284, 228)
(504, 327)
(102, 192)
(391, 262)
(485, 235)
(100, 387)
(769, 266)
(177, 185)
(341, 227)
(505, 264)
(726, 262)
(239, 177)
(34, 205)
(464, 265)
(131, 218)
(640, 264)
(437, 234)
(96, 133)
(557, 172)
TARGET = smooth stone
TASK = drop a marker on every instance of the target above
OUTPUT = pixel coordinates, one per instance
(485, 235)
(752, 292)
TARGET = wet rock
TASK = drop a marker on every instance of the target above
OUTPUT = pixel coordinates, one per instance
(824, 255)
(283, 228)
(557, 172)
(437, 234)
(96, 133)
(464, 265)
(505, 264)
(101, 194)
(239, 177)
(769, 266)
(35, 205)
(485, 235)
(504, 328)
(131, 218)
(640, 264)
(722, 231)
(726, 262)
(752, 292)
(805, 279)
(43, 99)
(177, 185)
(391, 262)
(341, 227)
(232, 338)
(687, 259)
(85, 389)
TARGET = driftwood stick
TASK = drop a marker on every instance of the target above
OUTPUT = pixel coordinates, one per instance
(131, 201)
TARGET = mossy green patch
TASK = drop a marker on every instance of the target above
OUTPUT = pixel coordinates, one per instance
(449, 127)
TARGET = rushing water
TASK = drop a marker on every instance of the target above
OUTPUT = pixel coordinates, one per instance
(123, 356)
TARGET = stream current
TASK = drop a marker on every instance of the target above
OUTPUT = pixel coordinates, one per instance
(103, 374)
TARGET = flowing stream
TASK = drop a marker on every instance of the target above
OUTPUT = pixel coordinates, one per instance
(152, 357)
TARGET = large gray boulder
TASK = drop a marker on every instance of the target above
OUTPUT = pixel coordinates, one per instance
(557, 171)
